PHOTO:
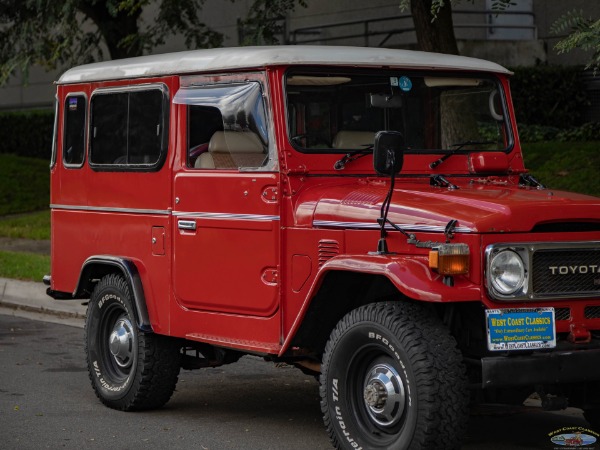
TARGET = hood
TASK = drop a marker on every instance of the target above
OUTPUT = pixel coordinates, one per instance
(417, 206)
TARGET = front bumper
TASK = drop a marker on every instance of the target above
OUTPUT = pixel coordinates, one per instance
(557, 367)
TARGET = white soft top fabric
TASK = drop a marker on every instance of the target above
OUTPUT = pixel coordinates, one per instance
(235, 58)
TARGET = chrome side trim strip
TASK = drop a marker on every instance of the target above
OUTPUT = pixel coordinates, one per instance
(163, 212)
(375, 226)
(229, 216)
(166, 212)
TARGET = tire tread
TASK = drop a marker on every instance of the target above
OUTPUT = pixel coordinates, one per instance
(158, 360)
(435, 361)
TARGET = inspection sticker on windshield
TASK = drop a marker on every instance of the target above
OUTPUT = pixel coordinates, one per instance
(405, 83)
(520, 329)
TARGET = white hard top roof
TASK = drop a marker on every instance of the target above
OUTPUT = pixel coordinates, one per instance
(235, 58)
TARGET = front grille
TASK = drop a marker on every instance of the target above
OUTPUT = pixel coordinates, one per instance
(566, 271)
(562, 313)
(592, 312)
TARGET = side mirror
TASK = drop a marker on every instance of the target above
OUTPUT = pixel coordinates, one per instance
(388, 152)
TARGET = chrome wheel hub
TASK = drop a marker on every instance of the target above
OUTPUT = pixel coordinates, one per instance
(121, 342)
(384, 395)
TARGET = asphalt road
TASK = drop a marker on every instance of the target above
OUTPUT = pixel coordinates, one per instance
(46, 401)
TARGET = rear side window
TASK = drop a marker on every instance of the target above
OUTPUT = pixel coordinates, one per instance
(74, 130)
(129, 129)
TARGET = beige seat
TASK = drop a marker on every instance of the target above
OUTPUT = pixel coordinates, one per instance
(353, 139)
(232, 149)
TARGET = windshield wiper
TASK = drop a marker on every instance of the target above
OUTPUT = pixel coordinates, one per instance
(458, 146)
(352, 156)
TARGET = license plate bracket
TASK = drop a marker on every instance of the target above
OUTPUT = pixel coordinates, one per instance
(520, 329)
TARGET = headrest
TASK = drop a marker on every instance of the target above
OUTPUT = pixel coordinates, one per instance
(235, 142)
(353, 139)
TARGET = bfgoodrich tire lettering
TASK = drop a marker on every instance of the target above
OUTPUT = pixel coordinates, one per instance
(393, 379)
(129, 369)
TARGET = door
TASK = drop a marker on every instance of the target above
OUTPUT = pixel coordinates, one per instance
(226, 212)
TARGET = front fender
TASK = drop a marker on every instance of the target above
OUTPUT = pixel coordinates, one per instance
(411, 275)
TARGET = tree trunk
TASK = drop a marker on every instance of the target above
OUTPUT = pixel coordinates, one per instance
(434, 35)
(120, 33)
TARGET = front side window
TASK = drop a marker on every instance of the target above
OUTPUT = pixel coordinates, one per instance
(74, 130)
(227, 126)
(129, 129)
(331, 111)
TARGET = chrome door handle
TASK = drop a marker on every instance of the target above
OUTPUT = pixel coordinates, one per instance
(189, 225)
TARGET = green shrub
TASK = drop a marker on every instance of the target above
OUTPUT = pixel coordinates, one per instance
(586, 132)
(27, 133)
(551, 96)
(24, 184)
(539, 133)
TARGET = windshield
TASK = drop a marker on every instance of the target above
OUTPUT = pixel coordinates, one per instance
(331, 111)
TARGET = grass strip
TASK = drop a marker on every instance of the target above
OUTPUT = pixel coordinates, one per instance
(24, 266)
(27, 226)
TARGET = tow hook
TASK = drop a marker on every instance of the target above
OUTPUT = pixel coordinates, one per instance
(579, 334)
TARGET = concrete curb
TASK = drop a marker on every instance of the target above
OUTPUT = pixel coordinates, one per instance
(28, 299)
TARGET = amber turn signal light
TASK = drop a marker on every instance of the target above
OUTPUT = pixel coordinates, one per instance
(450, 259)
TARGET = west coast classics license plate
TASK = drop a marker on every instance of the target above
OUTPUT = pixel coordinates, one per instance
(520, 329)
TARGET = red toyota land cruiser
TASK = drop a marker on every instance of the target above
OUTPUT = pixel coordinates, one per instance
(363, 214)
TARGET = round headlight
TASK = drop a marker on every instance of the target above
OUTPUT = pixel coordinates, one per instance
(507, 272)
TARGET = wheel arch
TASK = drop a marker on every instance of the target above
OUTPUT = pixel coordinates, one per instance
(98, 266)
(338, 292)
(341, 283)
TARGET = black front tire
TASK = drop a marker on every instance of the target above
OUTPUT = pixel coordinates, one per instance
(129, 369)
(393, 378)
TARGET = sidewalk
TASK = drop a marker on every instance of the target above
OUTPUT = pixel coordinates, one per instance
(28, 299)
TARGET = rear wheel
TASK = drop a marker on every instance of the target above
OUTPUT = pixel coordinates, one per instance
(393, 379)
(129, 369)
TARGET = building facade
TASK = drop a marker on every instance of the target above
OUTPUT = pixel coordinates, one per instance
(521, 36)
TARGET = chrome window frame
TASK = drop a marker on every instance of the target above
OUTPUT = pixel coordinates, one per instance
(85, 129)
(198, 81)
(154, 167)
